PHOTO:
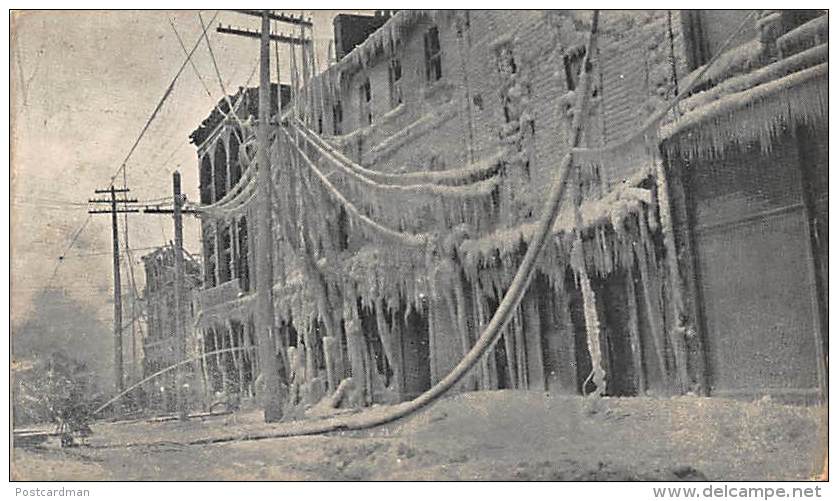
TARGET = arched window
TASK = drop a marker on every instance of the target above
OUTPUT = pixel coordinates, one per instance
(433, 55)
(206, 180)
(224, 253)
(209, 260)
(243, 271)
(235, 165)
(365, 102)
(220, 170)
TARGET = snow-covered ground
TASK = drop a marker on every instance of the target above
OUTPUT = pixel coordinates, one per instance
(501, 435)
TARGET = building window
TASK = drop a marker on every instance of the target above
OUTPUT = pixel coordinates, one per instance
(206, 180)
(506, 60)
(365, 101)
(337, 118)
(209, 260)
(433, 55)
(395, 76)
(224, 253)
(343, 230)
(243, 270)
(235, 165)
(220, 168)
(705, 32)
(573, 66)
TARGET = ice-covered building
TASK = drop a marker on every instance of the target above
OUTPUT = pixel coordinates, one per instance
(160, 343)
(689, 251)
(748, 162)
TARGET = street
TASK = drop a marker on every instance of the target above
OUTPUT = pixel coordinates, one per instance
(502, 435)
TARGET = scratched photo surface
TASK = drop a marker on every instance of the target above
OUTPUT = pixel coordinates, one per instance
(567, 245)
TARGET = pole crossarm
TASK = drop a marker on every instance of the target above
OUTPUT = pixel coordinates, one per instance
(110, 211)
(107, 201)
(255, 34)
(160, 210)
(283, 18)
(115, 190)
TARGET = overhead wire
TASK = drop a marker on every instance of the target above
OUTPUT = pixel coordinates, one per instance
(47, 201)
(217, 71)
(191, 62)
(416, 177)
(162, 101)
(107, 253)
(211, 136)
(48, 284)
(483, 187)
(46, 205)
(172, 154)
(156, 200)
(409, 239)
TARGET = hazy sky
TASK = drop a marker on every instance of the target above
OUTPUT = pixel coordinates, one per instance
(83, 85)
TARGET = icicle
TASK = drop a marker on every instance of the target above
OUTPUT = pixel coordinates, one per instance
(593, 334)
(675, 285)
(511, 360)
(759, 114)
(520, 350)
(634, 334)
(488, 375)
(645, 257)
(461, 318)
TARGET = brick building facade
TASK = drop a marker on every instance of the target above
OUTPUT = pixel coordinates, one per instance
(493, 92)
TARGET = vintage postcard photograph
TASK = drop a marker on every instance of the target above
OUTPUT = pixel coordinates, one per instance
(419, 245)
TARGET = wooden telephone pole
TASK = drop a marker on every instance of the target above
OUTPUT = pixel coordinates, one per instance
(115, 209)
(177, 212)
(271, 387)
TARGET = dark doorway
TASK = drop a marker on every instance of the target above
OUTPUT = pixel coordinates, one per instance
(615, 319)
(416, 354)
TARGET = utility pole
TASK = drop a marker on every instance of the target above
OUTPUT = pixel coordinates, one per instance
(117, 281)
(264, 266)
(177, 212)
(180, 339)
(271, 387)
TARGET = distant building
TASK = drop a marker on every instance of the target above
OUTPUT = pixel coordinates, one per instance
(159, 345)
